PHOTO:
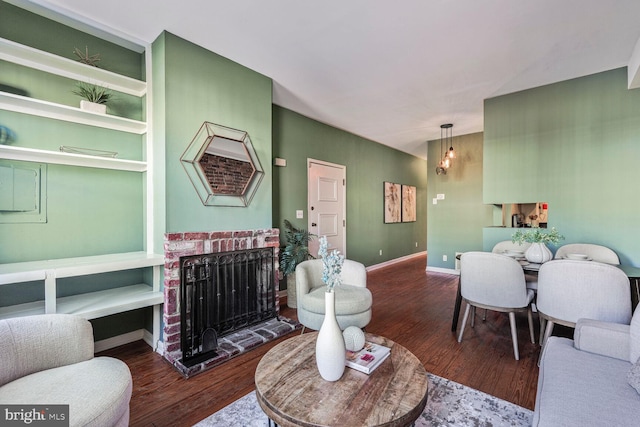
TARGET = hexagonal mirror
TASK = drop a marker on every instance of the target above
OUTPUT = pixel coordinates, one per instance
(222, 166)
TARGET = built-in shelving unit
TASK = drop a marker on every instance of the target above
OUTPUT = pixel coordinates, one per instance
(102, 303)
(89, 305)
(70, 159)
(54, 64)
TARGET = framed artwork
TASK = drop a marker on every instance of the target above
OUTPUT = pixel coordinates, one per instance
(392, 202)
(408, 203)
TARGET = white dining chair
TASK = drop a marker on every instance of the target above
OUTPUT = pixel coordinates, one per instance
(495, 282)
(595, 252)
(508, 245)
(569, 290)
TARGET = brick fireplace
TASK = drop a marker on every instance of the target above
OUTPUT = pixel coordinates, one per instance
(177, 245)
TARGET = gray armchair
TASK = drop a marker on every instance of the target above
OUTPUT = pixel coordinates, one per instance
(353, 299)
(569, 290)
(495, 282)
(48, 359)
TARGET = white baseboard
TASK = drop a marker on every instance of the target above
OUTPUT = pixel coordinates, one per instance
(444, 270)
(395, 260)
(119, 340)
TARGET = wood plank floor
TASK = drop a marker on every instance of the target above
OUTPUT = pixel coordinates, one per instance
(410, 306)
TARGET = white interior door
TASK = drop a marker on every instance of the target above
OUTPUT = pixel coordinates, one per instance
(327, 204)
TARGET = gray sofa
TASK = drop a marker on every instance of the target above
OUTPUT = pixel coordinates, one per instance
(48, 359)
(584, 381)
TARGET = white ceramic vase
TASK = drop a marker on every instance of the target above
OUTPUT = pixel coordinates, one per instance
(538, 253)
(330, 348)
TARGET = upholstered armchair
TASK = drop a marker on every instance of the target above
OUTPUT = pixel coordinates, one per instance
(48, 359)
(508, 245)
(353, 299)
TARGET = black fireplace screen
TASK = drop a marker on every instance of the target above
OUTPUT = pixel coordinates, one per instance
(220, 294)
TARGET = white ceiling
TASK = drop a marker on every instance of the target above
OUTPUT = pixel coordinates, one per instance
(390, 71)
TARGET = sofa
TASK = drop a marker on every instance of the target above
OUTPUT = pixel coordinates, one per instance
(48, 360)
(590, 380)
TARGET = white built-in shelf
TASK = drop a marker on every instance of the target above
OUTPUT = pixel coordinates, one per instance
(70, 159)
(54, 64)
(94, 304)
(69, 267)
(37, 107)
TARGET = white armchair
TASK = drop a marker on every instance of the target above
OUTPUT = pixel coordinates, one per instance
(353, 299)
(48, 359)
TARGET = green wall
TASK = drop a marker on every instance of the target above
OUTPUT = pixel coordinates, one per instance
(196, 85)
(576, 145)
(573, 144)
(297, 138)
(455, 223)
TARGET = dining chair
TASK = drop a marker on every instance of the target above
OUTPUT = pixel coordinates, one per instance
(595, 252)
(508, 245)
(495, 282)
(569, 290)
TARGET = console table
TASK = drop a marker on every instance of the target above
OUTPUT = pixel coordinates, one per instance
(291, 392)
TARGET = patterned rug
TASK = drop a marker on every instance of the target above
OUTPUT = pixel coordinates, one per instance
(449, 404)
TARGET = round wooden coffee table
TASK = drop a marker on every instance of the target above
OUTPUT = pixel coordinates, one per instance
(291, 392)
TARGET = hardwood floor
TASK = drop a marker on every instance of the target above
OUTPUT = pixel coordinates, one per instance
(410, 306)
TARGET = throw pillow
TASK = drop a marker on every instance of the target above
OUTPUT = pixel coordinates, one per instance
(633, 377)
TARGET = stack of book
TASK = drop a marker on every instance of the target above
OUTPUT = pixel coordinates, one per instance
(369, 358)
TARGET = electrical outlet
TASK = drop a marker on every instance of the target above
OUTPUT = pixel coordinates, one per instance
(440, 196)
(380, 252)
(416, 244)
(444, 257)
(299, 214)
(435, 201)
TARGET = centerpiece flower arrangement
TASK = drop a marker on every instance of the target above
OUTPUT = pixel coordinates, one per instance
(538, 252)
(535, 235)
(331, 265)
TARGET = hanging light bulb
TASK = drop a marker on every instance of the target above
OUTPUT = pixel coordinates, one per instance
(449, 139)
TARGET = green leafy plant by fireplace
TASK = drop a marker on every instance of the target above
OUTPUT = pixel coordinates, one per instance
(296, 248)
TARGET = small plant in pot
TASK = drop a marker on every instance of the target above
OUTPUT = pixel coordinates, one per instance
(538, 252)
(95, 97)
(295, 251)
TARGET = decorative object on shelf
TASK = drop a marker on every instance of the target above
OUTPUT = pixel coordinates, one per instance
(446, 137)
(392, 202)
(87, 151)
(95, 97)
(223, 166)
(330, 347)
(6, 135)
(538, 252)
(85, 58)
(353, 338)
(295, 251)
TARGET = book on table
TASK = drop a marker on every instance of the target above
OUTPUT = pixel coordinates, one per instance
(367, 359)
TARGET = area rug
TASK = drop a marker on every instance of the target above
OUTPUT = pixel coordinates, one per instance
(448, 404)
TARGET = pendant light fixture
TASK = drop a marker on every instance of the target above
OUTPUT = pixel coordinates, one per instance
(446, 138)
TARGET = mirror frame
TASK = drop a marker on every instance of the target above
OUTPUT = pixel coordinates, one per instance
(190, 160)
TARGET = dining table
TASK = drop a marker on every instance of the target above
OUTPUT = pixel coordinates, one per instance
(632, 272)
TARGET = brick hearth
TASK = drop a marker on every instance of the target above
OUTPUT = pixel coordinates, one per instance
(177, 245)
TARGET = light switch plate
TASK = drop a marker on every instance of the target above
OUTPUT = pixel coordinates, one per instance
(440, 196)
(299, 214)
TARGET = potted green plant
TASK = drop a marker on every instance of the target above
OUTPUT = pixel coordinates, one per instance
(295, 251)
(95, 97)
(538, 252)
